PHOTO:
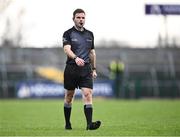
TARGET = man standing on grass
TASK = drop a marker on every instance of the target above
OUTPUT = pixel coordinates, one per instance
(78, 44)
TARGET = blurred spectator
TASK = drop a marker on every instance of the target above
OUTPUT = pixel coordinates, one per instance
(116, 68)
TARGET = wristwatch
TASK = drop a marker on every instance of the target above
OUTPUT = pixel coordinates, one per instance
(93, 68)
(75, 57)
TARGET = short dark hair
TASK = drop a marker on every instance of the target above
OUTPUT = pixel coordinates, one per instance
(78, 11)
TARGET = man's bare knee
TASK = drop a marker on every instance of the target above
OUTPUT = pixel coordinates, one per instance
(87, 95)
(69, 97)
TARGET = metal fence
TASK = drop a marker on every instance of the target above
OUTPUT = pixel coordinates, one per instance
(148, 72)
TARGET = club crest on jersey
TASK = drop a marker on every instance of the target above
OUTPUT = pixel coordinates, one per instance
(89, 40)
(74, 39)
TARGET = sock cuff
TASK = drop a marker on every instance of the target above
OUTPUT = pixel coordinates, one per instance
(88, 106)
(67, 105)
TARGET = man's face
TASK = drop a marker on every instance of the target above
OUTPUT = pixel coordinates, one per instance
(79, 20)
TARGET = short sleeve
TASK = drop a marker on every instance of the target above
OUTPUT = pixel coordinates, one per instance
(92, 47)
(66, 39)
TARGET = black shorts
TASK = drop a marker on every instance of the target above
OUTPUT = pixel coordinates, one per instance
(78, 77)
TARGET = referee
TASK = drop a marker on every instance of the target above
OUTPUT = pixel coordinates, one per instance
(78, 44)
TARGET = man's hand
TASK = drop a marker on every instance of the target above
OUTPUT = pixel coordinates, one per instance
(80, 62)
(94, 74)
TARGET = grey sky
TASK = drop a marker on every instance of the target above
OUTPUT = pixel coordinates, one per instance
(43, 21)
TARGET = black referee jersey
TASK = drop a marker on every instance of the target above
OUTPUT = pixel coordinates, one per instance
(81, 43)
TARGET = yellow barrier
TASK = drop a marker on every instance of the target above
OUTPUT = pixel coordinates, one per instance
(51, 73)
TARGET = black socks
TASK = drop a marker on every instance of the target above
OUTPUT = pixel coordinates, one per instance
(67, 113)
(88, 110)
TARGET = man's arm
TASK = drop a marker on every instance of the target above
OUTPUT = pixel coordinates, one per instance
(68, 51)
(93, 58)
(93, 62)
(72, 55)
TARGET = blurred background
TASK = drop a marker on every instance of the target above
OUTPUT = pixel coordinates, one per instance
(138, 48)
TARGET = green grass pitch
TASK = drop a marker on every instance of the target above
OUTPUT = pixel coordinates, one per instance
(44, 117)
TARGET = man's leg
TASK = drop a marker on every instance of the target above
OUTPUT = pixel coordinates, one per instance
(88, 109)
(68, 99)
